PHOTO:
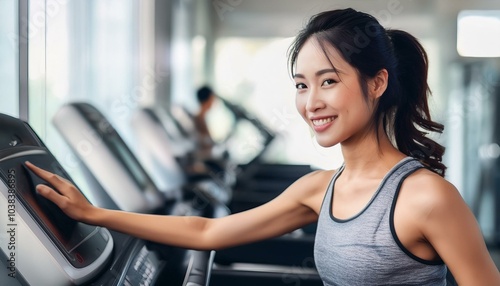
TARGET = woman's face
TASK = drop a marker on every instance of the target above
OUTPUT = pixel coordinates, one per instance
(329, 99)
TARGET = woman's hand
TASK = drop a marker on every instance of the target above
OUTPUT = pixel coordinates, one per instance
(65, 195)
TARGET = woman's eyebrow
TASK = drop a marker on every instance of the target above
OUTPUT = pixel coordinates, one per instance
(320, 72)
(323, 71)
(298, 75)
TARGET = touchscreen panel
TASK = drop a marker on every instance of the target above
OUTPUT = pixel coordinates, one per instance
(80, 243)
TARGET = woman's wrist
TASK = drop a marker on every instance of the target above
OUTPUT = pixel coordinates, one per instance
(93, 215)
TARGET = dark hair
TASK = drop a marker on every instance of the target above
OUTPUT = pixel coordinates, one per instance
(369, 48)
(204, 93)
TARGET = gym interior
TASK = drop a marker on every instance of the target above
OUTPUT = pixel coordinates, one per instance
(102, 93)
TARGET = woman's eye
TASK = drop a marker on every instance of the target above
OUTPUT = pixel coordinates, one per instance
(329, 82)
(300, 86)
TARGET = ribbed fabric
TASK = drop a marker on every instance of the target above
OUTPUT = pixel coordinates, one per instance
(364, 249)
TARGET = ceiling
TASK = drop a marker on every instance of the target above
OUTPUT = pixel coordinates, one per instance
(284, 18)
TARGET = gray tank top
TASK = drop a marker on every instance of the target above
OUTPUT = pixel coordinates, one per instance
(364, 249)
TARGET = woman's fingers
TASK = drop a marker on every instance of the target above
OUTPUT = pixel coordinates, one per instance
(56, 181)
(64, 194)
(50, 194)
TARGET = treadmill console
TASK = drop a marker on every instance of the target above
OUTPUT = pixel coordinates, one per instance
(43, 246)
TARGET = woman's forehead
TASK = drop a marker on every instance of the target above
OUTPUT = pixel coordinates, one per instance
(315, 54)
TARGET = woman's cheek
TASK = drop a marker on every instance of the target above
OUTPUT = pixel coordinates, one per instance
(300, 104)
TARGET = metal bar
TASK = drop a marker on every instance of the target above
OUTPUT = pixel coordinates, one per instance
(23, 36)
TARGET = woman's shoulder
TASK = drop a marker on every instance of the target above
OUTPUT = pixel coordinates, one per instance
(321, 174)
(310, 188)
(427, 180)
(427, 191)
(318, 178)
(309, 184)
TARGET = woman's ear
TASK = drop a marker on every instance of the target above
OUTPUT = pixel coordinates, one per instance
(378, 84)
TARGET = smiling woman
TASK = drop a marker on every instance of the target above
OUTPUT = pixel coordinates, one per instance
(390, 63)
(324, 89)
(366, 88)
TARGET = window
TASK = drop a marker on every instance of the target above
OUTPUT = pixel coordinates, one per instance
(9, 73)
(86, 51)
(477, 33)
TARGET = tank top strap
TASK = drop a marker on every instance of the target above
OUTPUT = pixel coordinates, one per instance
(395, 177)
(387, 188)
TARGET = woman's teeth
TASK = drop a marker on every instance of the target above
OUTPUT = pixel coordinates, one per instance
(318, 122)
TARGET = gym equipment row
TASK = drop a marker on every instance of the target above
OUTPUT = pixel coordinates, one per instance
(52, 249)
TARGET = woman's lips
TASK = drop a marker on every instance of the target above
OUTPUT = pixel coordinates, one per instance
(321, 124)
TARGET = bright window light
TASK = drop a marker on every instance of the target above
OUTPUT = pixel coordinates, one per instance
(478, 33)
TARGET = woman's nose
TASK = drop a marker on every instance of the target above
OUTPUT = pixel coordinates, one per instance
(314, 101)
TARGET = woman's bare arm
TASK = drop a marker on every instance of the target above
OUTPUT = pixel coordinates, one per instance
(453, 231)
(283, 214)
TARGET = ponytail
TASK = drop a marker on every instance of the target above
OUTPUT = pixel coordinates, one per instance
(412, 118)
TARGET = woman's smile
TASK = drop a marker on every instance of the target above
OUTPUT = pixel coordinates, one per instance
(322, 124)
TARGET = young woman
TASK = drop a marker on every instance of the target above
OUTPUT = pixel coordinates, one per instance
(387, 216)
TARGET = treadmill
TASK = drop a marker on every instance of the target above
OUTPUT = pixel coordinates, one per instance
(42, 246)
(118, 181)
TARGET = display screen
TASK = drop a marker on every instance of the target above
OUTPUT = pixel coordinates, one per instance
(113, 140)
(77, 241)
(133, 166)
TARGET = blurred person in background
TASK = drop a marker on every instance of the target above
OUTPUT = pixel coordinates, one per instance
(206, 98)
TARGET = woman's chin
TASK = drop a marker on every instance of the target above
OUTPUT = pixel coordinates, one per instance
(326, 143)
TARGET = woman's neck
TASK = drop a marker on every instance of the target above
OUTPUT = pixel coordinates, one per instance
(369, 157)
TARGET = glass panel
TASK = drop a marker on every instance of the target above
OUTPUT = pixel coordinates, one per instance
(36, 67)
(9, 73)
(83, 51)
